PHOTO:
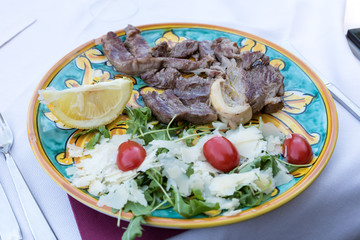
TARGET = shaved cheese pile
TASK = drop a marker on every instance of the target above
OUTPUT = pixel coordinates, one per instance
(99, 174)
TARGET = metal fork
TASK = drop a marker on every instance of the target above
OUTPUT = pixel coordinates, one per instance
(39, 227)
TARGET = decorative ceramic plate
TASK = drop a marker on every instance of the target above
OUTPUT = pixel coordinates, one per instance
(309, 110)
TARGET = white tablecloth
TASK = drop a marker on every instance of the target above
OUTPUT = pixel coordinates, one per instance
(328, 209)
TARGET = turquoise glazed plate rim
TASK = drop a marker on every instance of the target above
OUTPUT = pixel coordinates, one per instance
(309, 110)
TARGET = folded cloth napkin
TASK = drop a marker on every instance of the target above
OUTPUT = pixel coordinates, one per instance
(91, 221)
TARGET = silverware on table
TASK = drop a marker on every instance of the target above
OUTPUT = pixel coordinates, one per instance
(9, 227)
(15, 27)
(346, 102)
(39, 227)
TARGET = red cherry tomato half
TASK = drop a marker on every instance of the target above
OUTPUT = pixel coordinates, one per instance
(221, 154)
(297, 150)
(130, 155)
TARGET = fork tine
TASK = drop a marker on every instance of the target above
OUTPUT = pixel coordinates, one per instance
(2, 119)
(2, 123)
(4, 127)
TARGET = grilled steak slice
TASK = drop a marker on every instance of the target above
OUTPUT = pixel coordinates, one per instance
(114, 49)
(211, 72)
(250, 59)
(225, 48)
(193, 89)
(205, 49)
(137, 66)
(135, 43)
(124, 61)
(200, 113)
(264, 88)
(164, 79)
(187, 65)
(161, 50)
(184, 49)
(253, 76)
(247, 77)
(164, 106)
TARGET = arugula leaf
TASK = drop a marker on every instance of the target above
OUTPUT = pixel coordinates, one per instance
(138, 209)
(156, 184)
(138, 125)
(192, 207)
(154, 175)
(190, 170)
(134, 228)
(86, 132)
(263, 162)
(114, 210)
(161, 150)
(291, 168)
(197, 193)
(189, 140)
(268, 161)
(104, 131)
(93, 141)
(248, 197)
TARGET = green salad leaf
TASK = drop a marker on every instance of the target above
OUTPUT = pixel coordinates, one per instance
(100, 131)
(134, 228)
(264, 162)
(139, 122)
(138, 209)
(249, 197)
(93, 141)
(158, 194)
(104, 131)
(191, 207)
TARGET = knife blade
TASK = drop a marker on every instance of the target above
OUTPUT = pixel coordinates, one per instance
(18, 24)
(9, 227)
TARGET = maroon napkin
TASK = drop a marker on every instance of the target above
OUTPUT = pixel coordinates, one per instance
(94, 225)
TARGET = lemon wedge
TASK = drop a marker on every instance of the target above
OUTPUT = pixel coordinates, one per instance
(88, 106)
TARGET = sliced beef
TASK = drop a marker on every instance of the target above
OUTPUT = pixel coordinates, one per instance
(193, 89)
(184, 49)
(225, 48)
(115, 49)
(211, 72)
(164, 106)
(125, 62)
(200, 113)
(187, 65)
(264, 88)
(254, 77)
(205, 49)
(250, 59)
(135, 43)
(137, 66)
(246, 74)
(161, 50)
(163, 79)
